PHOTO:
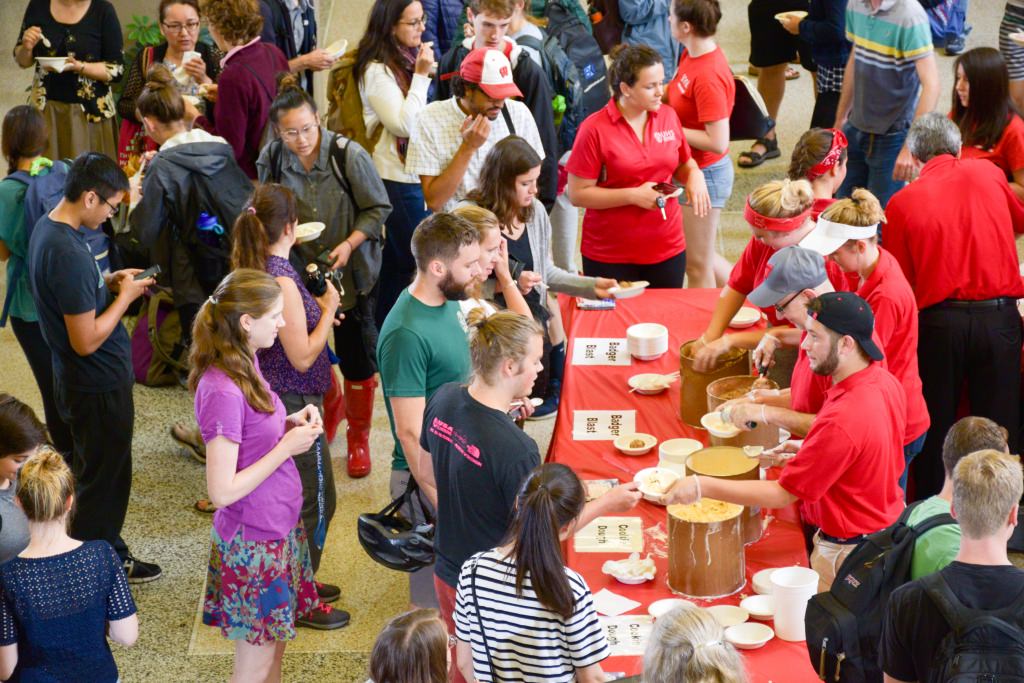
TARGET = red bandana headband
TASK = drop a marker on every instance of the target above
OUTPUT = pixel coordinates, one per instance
(839, 143)
(762, 222)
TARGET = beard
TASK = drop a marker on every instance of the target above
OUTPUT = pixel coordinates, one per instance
(452, 290)
(828, 365)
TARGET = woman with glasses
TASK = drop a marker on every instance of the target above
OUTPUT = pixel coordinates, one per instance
(335, 183)
(393, 69)
(75, 98)
(193, 64)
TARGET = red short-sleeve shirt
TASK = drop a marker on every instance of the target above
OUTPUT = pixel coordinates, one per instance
(807, 389)
(703, 90)
(846, 473)
(892, 301)
(607, 150)
(1007, 153)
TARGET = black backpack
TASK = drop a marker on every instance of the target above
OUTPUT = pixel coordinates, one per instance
(982, 645)
(844, 625)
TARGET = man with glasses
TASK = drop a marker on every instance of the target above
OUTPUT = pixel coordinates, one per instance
(81, 321)
(291, 26)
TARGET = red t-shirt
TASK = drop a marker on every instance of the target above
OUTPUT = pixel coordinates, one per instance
(607, 150)
(846, 474)
(952, 232)
(752, 269)
(1007, 153)
(703, 90)
(820, 205)
(807, 389)
(892, 301)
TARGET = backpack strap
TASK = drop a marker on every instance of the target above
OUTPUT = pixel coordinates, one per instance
(275, 159)
(508, 119)
(14, 273)
(480, 619)
(928, 523)
(943, 597)
(339, 159)
(270, 96)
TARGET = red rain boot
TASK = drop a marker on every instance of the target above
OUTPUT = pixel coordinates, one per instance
(359, 411)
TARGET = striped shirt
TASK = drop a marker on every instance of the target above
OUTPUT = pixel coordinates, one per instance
(527, 641)
(886, 45)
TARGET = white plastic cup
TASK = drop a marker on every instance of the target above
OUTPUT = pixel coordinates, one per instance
(792, 588)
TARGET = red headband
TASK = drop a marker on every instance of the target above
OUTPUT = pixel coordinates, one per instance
(761, 222)
(839, 143)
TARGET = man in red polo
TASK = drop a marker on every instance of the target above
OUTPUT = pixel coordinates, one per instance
(952, 232)
(845, 473)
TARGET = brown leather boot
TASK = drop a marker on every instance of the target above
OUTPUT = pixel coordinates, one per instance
(359, 414)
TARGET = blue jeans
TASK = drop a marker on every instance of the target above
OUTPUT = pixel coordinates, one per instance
(948, 20)
(870, 162)
(398, 267)
(910, 451)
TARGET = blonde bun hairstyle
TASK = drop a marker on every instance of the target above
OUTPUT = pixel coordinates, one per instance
(45, 484)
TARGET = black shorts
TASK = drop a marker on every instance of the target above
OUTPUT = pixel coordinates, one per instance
(770, 43)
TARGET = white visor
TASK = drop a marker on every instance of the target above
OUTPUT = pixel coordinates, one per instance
(828, 236)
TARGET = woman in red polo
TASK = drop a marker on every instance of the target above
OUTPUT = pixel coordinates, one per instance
(779, 215)
(846, 233)
(631, 230)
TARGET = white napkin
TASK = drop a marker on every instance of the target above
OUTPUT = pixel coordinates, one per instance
(613, 604)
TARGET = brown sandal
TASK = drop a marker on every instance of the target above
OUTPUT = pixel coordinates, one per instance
(205, 506)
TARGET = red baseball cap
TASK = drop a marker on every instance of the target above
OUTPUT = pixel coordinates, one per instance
(491, 70)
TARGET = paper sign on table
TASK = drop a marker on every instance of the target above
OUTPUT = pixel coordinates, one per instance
(612, 604)
(602, 425)
(600, 351)
(628, 635)
(611, 535)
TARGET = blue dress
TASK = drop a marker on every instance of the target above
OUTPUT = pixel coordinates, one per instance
(57, 608)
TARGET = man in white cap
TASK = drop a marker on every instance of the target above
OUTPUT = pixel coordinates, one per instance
(452, 137)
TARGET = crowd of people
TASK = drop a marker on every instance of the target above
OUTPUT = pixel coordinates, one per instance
(416, 236)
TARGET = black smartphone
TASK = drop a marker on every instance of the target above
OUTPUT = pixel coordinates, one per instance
(148, 273)
(665, 188)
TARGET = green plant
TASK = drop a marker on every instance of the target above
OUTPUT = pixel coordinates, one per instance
(143, 31)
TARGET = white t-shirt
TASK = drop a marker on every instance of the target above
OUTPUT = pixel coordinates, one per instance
(438, 134)
(527, 641)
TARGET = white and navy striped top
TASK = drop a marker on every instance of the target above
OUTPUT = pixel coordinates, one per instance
(527, 641)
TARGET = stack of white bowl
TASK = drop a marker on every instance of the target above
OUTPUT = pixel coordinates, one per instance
(647, 341)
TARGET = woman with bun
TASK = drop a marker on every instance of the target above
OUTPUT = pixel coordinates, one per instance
(820, 158)
(335, 183)
(192, 171)
(779, 215)
(847, 233)
(622, 155)
(411, 648)
(554, 632)
(62, 598)
(260, 579)
(688, 645)
(393, 68)
(297, 365)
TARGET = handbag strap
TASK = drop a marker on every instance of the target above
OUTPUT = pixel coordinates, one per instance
(480, 619)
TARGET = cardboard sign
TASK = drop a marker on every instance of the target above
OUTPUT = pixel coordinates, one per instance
(600, 351)
(602, 425)
(611, 535)
(628, 634)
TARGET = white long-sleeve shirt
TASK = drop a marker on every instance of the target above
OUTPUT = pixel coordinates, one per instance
(384, 104)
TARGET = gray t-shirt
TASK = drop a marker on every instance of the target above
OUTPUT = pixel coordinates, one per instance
(13, 525)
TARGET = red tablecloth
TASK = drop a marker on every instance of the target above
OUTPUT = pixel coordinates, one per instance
(686, 314)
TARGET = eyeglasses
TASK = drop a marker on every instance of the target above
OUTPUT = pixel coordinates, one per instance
(191, 27)
(113, 209)
(422, 21)
(779, 308)
(304, 132)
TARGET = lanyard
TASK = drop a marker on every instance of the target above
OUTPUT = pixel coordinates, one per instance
(320, 534)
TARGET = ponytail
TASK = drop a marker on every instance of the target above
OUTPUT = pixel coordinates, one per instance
(44, 485)
(260, 225)
(550, 498)
(496, 338)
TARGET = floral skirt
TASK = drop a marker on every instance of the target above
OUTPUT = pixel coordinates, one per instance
(255, 590)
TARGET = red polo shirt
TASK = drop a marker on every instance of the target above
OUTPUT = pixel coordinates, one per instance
(820, 205)
(752, 269)
(952, 232)
(846, 473)
(607, 150)
(702, 91)
(892, 301)
(807, 389)
(1007, 153)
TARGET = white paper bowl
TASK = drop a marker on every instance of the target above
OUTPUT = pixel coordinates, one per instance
(762, 581)
(749, 636)
(728, 615)
(717, 427)
(745, 317)
(647, 383)
(55, 63)
(782, 16)
(307, 232)
(660, 608)
(760, 607)
(622, 443)
(678, 450)
(337, 48)
(636, 288)
(650, 494)
(647, 341)
(613, 569)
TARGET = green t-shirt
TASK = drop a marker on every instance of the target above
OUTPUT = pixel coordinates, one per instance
(420, 348)
(938, 547)
(14, 236)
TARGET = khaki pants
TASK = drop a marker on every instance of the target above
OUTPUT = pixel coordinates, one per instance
(826, 558)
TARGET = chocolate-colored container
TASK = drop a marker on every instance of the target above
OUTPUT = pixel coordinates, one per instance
(693, 385)
(728, 388)
(730, 462)
(705, 558)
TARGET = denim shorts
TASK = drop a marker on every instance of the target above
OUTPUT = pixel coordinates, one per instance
(719, 177)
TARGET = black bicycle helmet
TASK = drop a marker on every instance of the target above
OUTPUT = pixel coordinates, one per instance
(391, 540)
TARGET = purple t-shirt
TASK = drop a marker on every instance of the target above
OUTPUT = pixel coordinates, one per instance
(271, 510)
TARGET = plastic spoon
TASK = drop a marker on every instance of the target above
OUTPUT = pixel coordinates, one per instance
(44, 40)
